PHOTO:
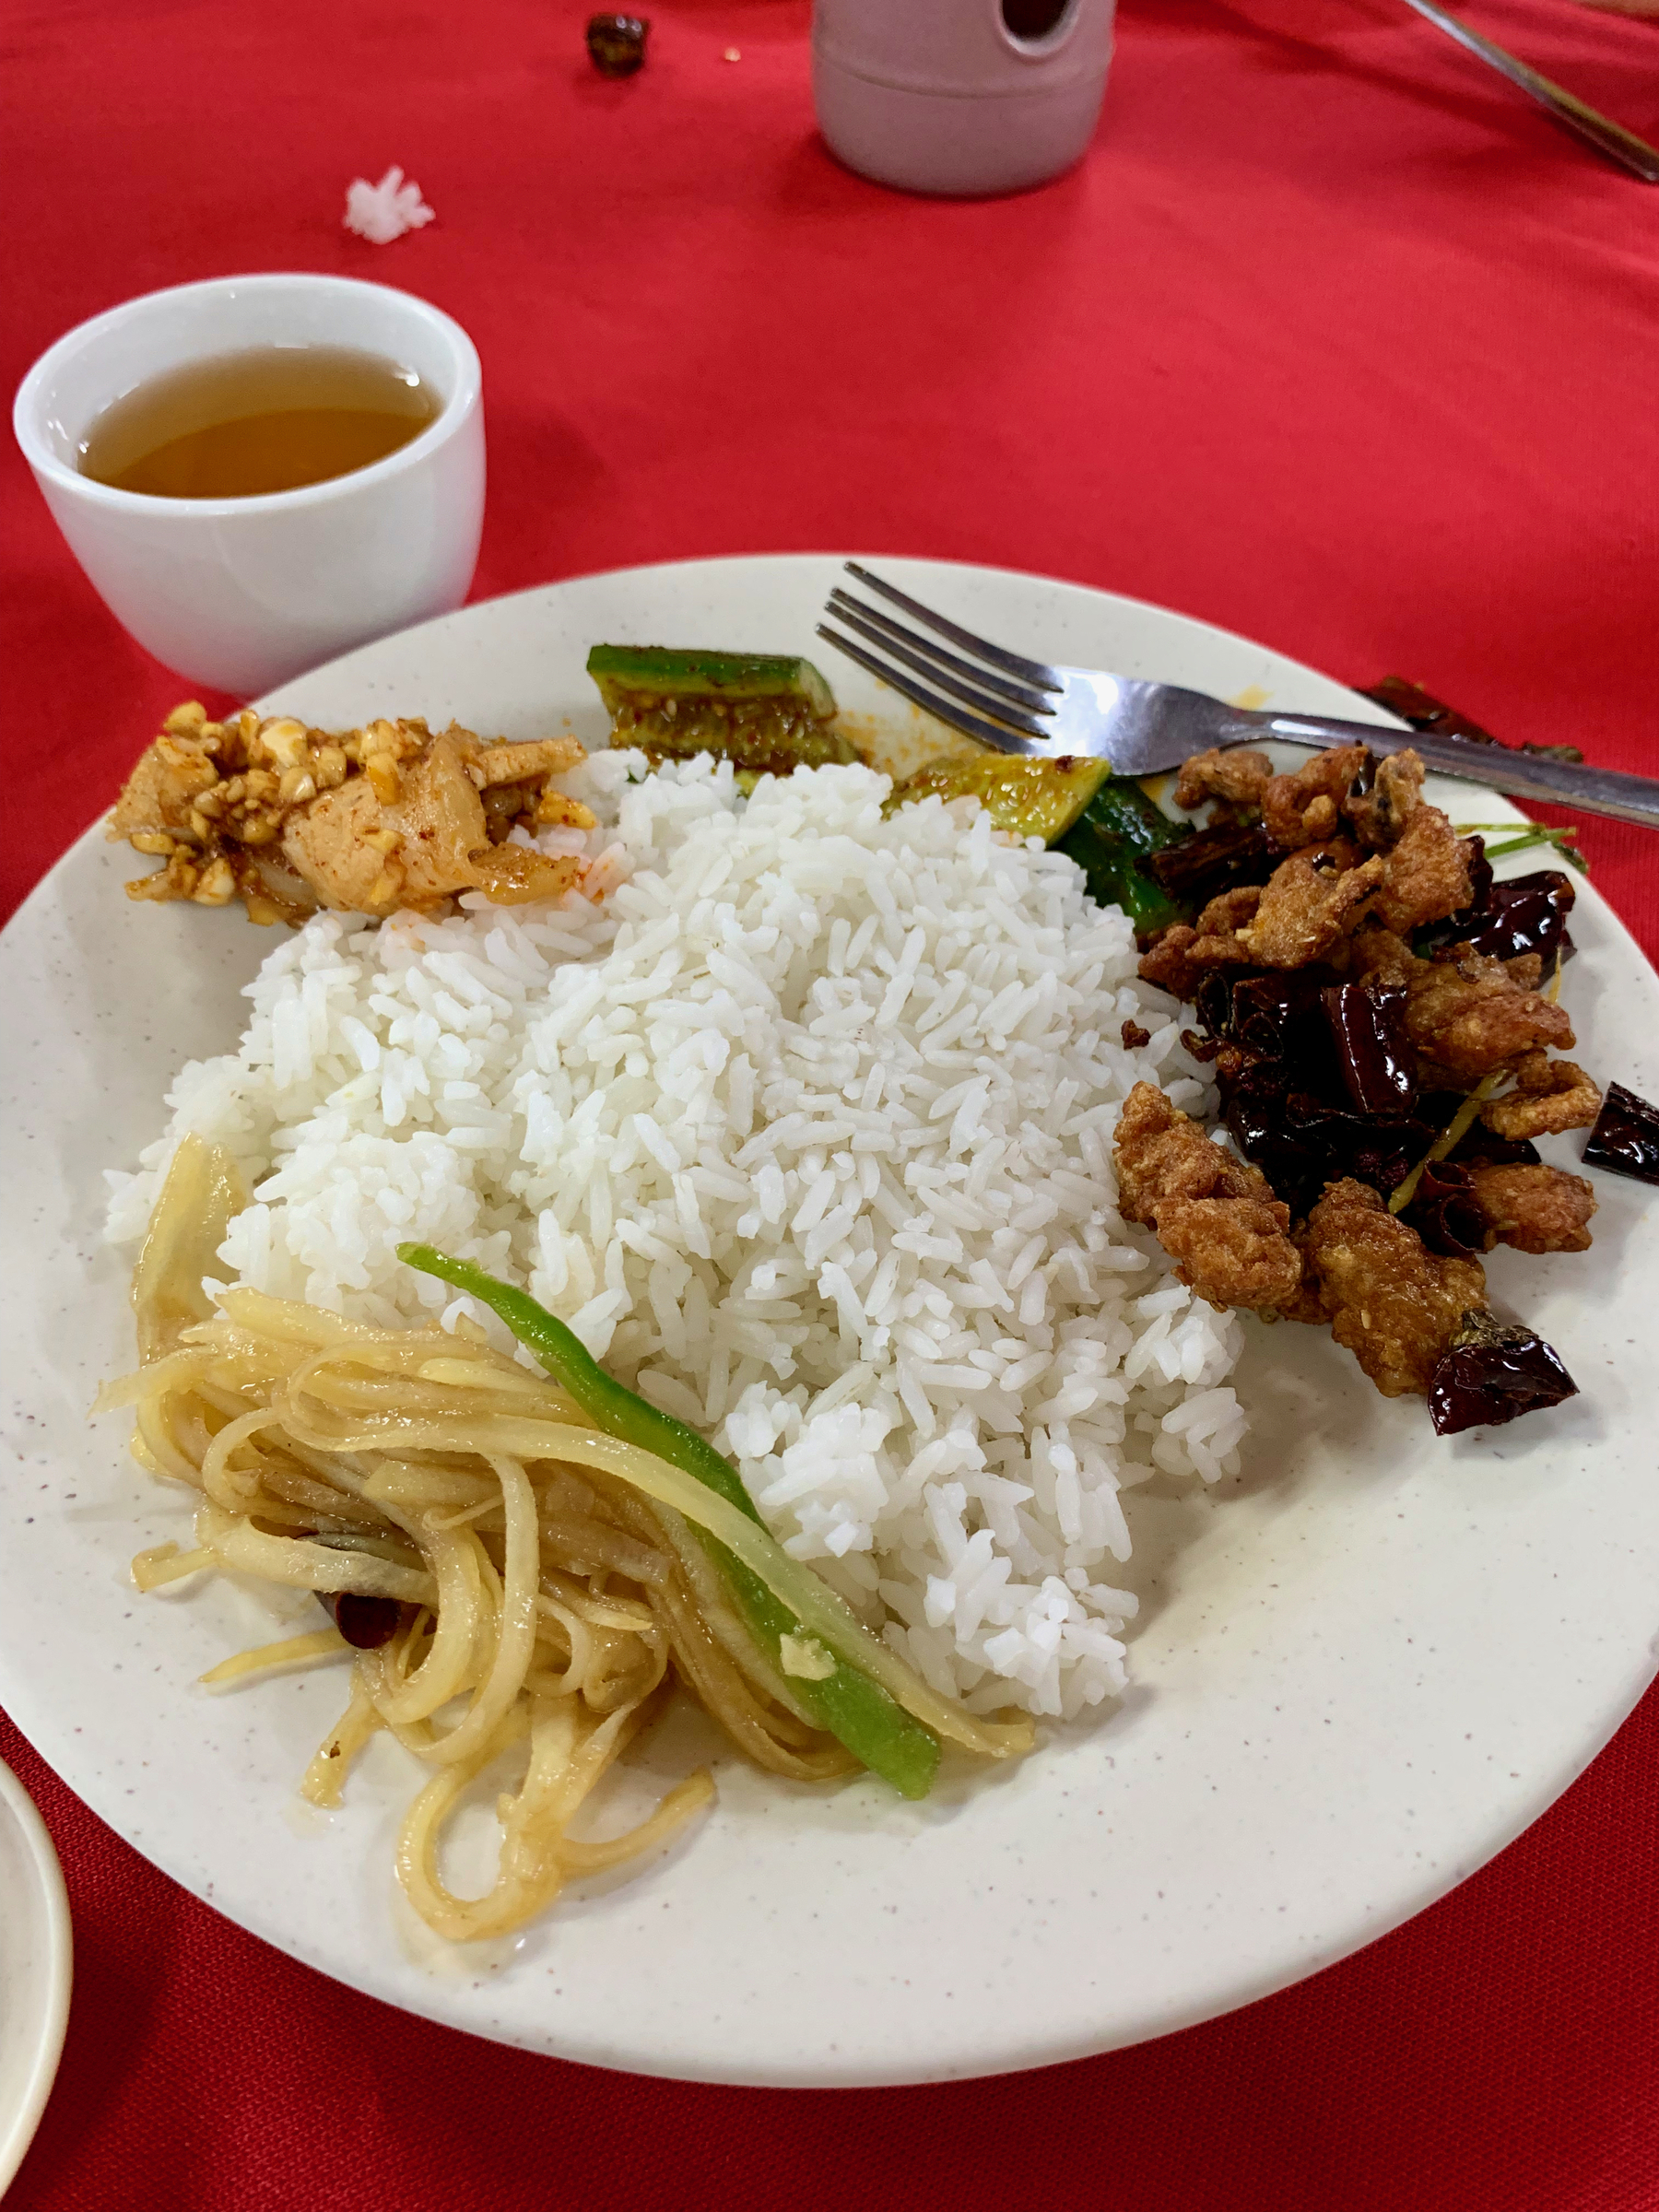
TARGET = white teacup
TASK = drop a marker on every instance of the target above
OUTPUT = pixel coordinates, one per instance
(242, 594)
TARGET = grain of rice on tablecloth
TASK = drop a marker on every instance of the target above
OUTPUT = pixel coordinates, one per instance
(805, 1128)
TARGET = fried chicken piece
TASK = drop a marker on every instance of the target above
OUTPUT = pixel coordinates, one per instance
(328, 849)
(1309, 905)
(1233, 1251)
(1309, 1302)
(1333, 771)
(1228, 911)
(1393, 1304)
(1424, 874)
(512, 875)
(368, 821)
(1377, 956)
(1381, 814)
(1471, 1018)
(370, 855)
(200, 800)
(159, 797)
(1214, 1213)
(1179, 959)
(1535, 1208)
(1466, 1018)
(1281, 816)
(528, 761)
(1180, 956)
(1236, 777)
(1302, 809)
(1162, 1153)
(1549, 1095)
(1291, 822)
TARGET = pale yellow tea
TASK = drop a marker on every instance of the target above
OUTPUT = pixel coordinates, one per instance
(268, 419)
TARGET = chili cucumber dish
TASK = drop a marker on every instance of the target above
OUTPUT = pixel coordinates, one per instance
(708, 1218)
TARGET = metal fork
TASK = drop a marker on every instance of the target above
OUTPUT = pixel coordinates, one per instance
(1606, 137)
(1024, 706)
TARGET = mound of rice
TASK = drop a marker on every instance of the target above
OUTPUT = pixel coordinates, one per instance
(806, 1127)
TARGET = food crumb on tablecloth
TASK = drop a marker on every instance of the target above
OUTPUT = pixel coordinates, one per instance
(384, 211)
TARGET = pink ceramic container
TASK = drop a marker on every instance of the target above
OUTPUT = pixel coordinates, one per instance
(962, 97)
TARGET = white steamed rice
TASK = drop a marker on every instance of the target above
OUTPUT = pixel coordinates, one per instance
(805, 1128)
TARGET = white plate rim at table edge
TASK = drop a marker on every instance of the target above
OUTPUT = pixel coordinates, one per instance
(872, 2030)
(37, 1921)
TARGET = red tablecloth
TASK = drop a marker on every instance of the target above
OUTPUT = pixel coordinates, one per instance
(1332, 340)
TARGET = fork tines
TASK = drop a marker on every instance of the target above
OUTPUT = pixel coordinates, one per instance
(1010, 691)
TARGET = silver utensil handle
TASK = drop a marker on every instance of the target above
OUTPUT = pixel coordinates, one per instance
(1597, 130)
(1523, 775)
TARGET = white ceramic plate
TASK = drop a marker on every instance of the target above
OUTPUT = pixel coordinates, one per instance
(35, 1970)
(1364, 1667)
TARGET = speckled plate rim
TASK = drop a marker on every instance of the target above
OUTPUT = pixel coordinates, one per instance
(1251, 1872)
(37, 1918)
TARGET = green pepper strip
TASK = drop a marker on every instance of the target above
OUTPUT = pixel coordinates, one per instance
(872, 1724)
(1564, 841)
(1118, 829)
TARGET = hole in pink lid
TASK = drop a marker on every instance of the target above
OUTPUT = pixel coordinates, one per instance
(1032, 19)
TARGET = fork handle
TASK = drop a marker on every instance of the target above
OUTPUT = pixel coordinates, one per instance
(1606, 137)
(1523, 775)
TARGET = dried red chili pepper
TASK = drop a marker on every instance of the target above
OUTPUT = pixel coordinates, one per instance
(1368, 1028)
(1528, 914)
(1435, 719)
(1493, 1372)
(1213, 860)
(1625, 1139)
(1445, 1213)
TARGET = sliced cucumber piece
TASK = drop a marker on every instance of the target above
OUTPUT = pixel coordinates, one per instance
(1030, 798)
(1111, 838)
(767, 713)
(1106, 824)
(647, 675)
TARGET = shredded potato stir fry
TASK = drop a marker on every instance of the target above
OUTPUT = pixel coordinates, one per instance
(548, 1578)
(334, 1458)
(553, 1599)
